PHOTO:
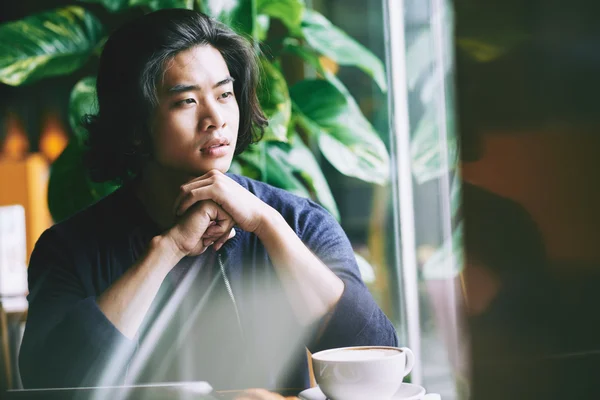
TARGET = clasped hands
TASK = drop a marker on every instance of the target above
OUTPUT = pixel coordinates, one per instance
(207, 208)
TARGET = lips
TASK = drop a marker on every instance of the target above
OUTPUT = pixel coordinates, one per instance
(214, 144)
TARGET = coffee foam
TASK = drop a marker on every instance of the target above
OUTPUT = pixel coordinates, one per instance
(358, 354)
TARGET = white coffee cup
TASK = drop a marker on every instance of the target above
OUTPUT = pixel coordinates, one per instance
(365, 372)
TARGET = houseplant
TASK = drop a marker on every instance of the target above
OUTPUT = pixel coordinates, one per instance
(313, 117)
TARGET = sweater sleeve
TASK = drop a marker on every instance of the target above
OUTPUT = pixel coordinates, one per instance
(356, 320)
(68, 341)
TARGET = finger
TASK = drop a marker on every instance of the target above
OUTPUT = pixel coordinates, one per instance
(218, 235)
(214, 233)
(209, 174)
(202, 181)
(221, 241)
(186, 192)
(210, 192)
(222, 232)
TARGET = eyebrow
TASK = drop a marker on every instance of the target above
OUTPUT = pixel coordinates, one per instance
(179, 88)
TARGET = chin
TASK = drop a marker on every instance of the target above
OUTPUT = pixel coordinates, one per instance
(221, 166)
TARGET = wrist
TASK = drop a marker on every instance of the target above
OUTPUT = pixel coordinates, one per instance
(167, 245)
(271, 223)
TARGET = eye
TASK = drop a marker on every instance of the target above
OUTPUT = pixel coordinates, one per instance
(226, 95)
(185, 102)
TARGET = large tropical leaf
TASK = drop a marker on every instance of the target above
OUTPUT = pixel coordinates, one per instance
(332, 42)
(309, 55)
(237, 14)
(259, 156)
(419, 56)
(290, 12)
(289, 166)
(161, 4)
(111, 5)
(434, 147)
(82, 101)
(275, 100)
(47, 44)
(431, 154)
(240, 167)
(263, 22)
(305, 167)
(70, 188)
(119, 5)
(344, 135)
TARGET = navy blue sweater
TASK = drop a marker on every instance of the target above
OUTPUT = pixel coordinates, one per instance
(234, 332)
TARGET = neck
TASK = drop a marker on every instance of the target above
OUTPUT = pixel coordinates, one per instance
(157, 190)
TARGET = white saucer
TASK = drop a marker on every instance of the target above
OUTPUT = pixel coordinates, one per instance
(408, 391)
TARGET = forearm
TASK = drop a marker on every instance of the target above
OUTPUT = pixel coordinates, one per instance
(313, 289)
(126, 302)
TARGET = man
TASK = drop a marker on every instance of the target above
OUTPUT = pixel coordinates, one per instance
(186, 272)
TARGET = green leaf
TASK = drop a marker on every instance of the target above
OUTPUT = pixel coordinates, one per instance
(120, 5)
(263, 22)
(432, 157)
(344, 135)
(82, 101)
(237, 14)
(344, 160)
(162, 4)
(332, 42)
(240, 167)
(304, 163)
(275, 100)
(70, 188)
(419, 57)
(426, 52)
(293, 45)
(290, 12)
(47, 44)
(272, 170)
(448, 260)
(111, 5)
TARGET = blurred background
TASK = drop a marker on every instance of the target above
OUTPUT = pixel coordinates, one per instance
(464, 170)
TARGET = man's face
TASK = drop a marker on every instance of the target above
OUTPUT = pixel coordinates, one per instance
(195, 126)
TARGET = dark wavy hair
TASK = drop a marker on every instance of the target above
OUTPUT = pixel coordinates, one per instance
(131, 64)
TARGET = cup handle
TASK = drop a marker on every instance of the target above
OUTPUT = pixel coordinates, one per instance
(410, 360)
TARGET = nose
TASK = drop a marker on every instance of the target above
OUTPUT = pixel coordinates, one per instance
(211, 118)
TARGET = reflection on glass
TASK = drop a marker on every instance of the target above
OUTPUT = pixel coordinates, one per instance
(438, 227)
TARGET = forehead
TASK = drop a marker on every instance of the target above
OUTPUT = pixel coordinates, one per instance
(200, 65)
